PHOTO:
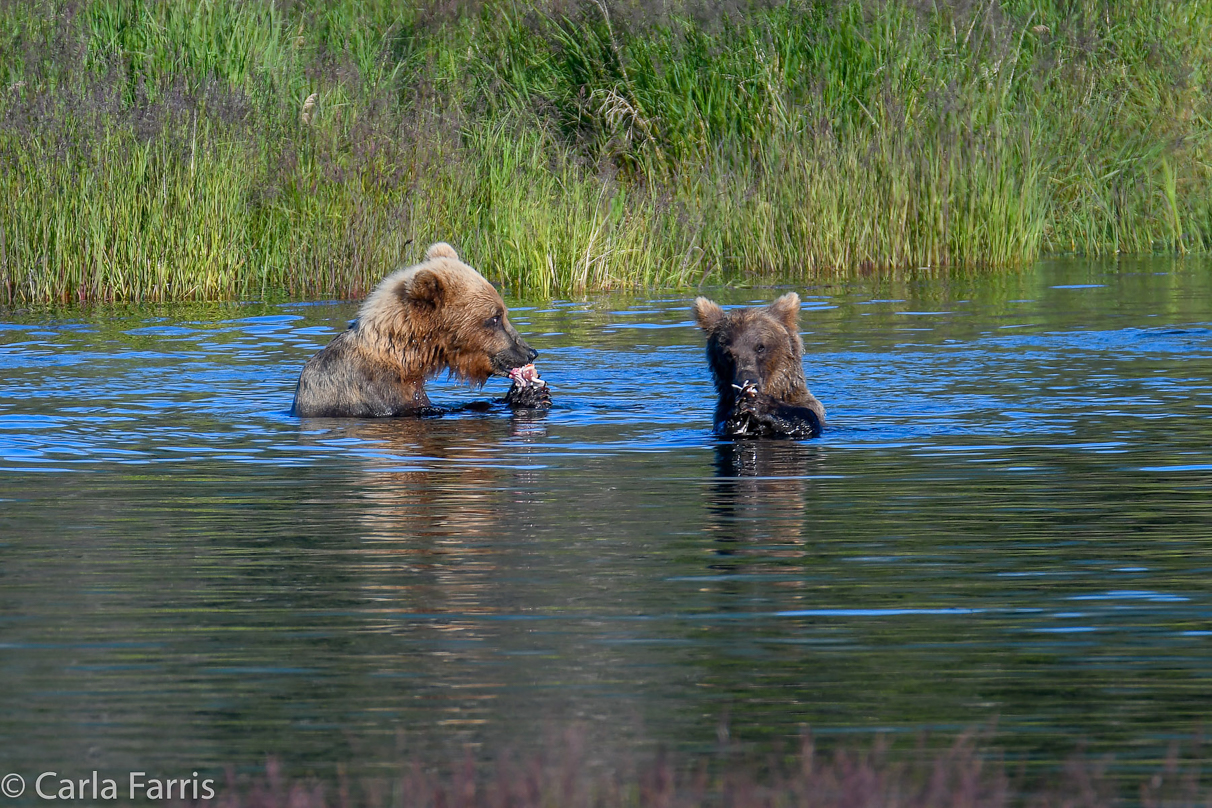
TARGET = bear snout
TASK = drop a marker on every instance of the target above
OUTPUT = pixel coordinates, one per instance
(515, 356)
(747, 376)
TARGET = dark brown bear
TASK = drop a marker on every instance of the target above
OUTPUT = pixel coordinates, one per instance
(440, 315)
(756, 359)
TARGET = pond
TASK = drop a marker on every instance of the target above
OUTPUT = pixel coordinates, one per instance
(1008, 518)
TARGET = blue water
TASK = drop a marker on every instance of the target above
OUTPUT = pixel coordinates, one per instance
(1007, 519)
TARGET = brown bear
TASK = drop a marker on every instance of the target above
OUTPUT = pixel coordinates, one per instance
(440, 315)
(756, 359)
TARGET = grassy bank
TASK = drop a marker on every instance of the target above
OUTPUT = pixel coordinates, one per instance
(232, 148)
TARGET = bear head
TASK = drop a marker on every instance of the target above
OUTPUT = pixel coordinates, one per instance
(443, 315)
(759, 346)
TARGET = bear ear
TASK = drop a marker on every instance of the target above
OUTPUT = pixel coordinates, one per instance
(787, 311)
(426, 289)
(706, 313)
(441, 250)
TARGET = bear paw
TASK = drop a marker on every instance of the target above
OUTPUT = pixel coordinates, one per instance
(528, 391)
(757, 415)
(531, 397)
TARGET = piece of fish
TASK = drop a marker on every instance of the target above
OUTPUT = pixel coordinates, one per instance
(526, 376)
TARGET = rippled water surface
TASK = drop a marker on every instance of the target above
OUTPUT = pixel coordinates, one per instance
(1008, 518)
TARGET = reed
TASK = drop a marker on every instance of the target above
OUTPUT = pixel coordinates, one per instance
(968, 773)
(155, 151)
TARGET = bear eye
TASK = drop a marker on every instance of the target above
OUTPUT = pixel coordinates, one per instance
(493, 321)
(760, 348)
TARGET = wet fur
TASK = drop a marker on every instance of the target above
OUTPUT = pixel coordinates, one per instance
(761, 346)
(437, 316)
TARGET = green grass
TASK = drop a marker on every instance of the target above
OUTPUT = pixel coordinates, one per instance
(154, 151)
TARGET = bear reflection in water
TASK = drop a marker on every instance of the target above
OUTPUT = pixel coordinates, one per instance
(760, 496)
(435, 519)
(433, 504)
